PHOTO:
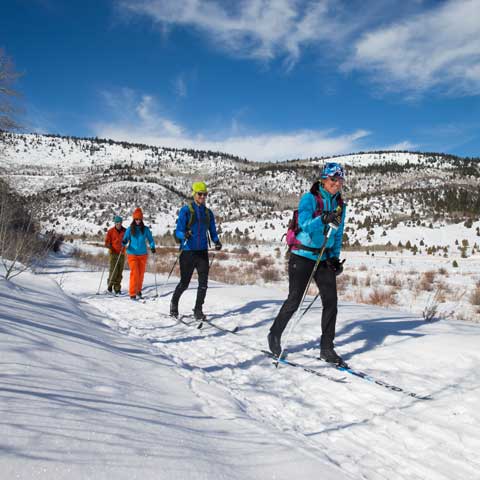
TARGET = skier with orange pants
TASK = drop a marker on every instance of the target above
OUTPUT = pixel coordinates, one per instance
(135, 238)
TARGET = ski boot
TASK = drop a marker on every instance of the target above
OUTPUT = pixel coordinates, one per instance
(198, 314)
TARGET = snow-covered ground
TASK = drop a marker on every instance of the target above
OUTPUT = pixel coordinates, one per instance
(95, 386)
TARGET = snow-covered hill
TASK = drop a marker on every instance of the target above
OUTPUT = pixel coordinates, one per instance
(79, 184)
(100, 387)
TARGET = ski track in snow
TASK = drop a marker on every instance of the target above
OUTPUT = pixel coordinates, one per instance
(369, 431)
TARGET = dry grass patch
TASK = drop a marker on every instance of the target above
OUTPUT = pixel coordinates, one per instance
(344, 281)
(99, 260)
(239, 275)
(265, 262)
(270, 275)
(384, 297)
(426, 281)
(475, 297)
(393, 281)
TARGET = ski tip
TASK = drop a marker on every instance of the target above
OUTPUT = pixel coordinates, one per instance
(200, 325)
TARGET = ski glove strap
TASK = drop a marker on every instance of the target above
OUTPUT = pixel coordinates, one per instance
(332, 217)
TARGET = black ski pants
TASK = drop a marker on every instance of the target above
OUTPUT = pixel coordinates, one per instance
(299, 271)
(191, 260)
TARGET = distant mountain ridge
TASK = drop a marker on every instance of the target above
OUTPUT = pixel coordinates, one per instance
(78, 184)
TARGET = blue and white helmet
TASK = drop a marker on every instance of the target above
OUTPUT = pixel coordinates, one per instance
(332, 169)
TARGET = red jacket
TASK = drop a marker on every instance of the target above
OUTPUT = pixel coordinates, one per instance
(114, 238)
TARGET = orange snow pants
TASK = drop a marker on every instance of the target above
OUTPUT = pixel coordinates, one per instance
(137, 264)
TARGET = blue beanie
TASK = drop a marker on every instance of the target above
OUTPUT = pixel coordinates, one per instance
(117, 219)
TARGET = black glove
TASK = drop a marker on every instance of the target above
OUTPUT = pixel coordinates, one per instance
(335, 265)
(153, 249)
(218, 245)
(188, 234)
(334, 217)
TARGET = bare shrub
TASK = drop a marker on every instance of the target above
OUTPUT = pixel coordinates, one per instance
(264, 262)
(99, 260)
(239, 275)
(363, 267)
(21, 244)
(426, 281)
(393, 281)
(444, 290)
(431, 308)
(270, 275)
(222, 256)
(443, 271)
(243, 250)
(8, 108)
(475, 297)
(382, 296)
(368, 281)
(343, 281)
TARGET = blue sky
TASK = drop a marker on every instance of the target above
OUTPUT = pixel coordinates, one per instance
(262, 79)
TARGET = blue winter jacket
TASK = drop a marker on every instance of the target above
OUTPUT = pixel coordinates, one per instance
(312, 232)
(136, 243)
(198, 240)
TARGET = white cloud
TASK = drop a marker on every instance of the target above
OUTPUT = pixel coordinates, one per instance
(138, 112)
(415, 52)
(137, 118)
(260, 29)
(438, 49)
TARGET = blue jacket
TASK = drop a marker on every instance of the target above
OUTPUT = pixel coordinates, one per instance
(312, 232)
(198, 240)
(137, 242)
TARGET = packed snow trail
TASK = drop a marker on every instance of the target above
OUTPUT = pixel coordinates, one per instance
(81, 401)
(153, 398)
(369, 430)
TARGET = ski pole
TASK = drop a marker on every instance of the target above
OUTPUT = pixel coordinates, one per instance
(211, 262)
(114, 270)
(155, 275)
(316, 296)
(101, 279)
(299, 314)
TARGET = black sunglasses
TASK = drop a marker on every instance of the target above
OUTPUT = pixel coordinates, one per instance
(202, 194)
(335, 179)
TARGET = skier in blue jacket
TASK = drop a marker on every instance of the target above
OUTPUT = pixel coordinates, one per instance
(135, 239)
(194, 224)
(314, 222)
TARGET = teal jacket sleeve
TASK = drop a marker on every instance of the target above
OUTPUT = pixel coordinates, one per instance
(306, 209)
